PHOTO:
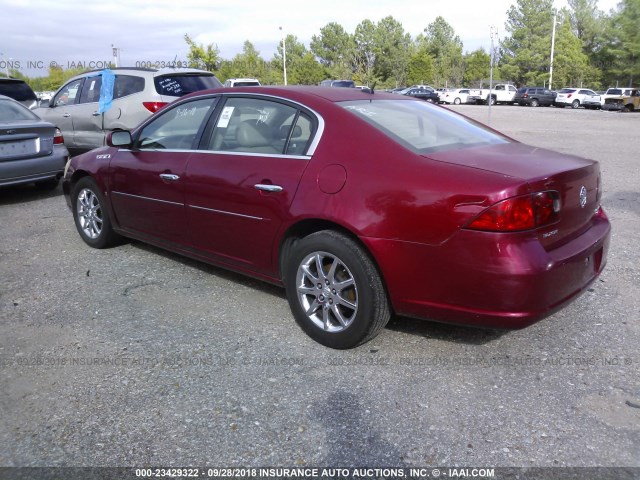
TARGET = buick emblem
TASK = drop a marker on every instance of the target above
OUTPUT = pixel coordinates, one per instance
(583, 196)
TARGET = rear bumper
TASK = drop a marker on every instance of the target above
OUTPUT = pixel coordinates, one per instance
(488, 279)
(15, 172)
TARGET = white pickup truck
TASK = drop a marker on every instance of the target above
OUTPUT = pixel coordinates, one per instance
(500, 93)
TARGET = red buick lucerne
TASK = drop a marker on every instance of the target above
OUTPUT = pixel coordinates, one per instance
(361, 204)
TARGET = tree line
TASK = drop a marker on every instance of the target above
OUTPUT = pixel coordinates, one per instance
(592, 48)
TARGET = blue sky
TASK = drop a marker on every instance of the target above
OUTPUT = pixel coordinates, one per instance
(37, 33)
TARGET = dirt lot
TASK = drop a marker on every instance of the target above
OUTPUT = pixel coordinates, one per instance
(132, 356)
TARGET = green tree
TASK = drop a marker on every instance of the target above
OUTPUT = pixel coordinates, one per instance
(249, 63)
(420, 67)
(392, 52)
(199, 56)
(295, 53)
(332, 48)
(445, 47)
(477, 66)
(364, 53)
(625, 42)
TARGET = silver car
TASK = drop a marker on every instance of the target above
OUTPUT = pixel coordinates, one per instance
(137, 93)
(31, 150)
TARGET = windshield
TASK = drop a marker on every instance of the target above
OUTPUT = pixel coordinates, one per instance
(421, 127)
(178, 85)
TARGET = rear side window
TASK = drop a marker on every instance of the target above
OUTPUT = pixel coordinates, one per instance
(181, 84)
(522, 90)
(127, 85)
(17, 89)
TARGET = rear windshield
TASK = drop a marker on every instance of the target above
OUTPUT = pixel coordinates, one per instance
(246, 84)
(17, 89)
(614, 91)
(421, 127)
(523, 90)
(12, 111)
(567, 90)
(181, 84)
(343, 83)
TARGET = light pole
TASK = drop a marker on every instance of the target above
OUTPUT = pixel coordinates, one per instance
(493, 32)
(284, 57)
(553, 44)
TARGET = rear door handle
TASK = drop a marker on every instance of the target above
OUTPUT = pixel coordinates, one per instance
(268, 188)
(169, 177)
(96, 114)
(66, 115)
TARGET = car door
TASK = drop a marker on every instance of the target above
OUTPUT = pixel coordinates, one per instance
(147, 182)
(62, 110)
(87, 121)
(244, 177)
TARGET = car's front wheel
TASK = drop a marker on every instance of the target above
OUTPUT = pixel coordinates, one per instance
(456, 101)
(90, 216)
(335, 291)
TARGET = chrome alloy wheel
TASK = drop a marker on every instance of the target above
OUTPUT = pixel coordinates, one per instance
(327, 291)
(89, 213)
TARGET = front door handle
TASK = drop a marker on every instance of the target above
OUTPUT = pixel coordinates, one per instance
(268, 188)
(169, 177)
(66, 115)
(96, 114)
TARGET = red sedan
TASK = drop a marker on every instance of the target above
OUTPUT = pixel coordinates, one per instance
(362, 205)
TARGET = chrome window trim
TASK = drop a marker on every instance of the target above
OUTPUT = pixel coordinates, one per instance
(145, 198)
(319, 130)
(225, 212)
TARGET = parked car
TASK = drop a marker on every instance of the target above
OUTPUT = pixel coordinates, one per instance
(338, 83)
(426, 94)
(31, 150)
(616, 93)
(627, 103)
(359, 204)
(592, 101)
(500, 93)
(575, 97)
(242, 82)
(137, 93)
(455, 96)
(18, 90)
(534, 96)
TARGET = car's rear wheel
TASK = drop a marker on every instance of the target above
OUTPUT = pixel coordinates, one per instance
(575, 104)
(535, 103)
(91, 217)
(456, 101)
(335, 291)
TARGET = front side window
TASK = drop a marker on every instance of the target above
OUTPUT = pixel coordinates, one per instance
(69, 94)
(252, 125)
(175, 129)
(422, 128)
(91, 89)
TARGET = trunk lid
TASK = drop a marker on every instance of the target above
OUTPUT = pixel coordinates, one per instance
(22, 139)
(577, 181)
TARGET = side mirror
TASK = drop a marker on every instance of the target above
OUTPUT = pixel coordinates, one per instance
(119, 138)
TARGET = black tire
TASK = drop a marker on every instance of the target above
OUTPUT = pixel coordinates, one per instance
(491, 100)
(575, 104)
(456, 101)
(535, 102)
(628, 108)
(90, 216)
(343, 317)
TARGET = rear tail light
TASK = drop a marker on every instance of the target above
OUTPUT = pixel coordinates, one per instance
(569, 96)
(526, 95)
(153, 107)
(58, 139)
(519, 213)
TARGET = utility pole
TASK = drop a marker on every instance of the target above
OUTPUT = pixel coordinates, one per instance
(553, 44)
(284, 56)
(493, 32)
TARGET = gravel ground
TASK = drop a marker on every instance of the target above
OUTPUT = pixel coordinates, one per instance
(132, 356)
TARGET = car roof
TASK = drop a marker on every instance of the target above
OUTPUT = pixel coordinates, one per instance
(304, 94)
